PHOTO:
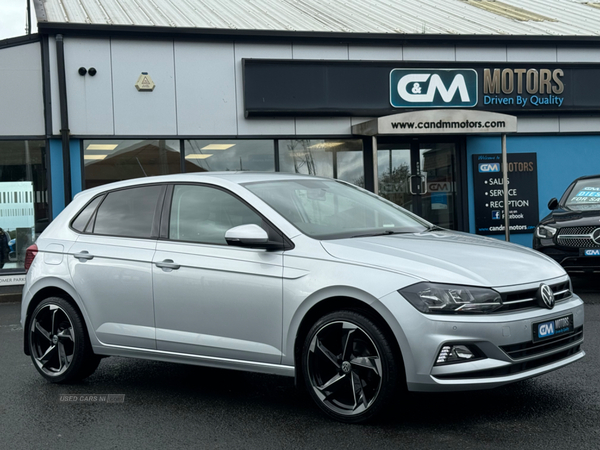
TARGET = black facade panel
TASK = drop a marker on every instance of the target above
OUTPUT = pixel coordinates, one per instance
(364, 88)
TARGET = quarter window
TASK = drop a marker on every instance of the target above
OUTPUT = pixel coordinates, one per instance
(128, 212)
(204, 214)
(84, 216)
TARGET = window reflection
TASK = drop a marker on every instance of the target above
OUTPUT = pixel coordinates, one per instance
(234, 154)
(23, 199)
(106, 161)
(334, 158)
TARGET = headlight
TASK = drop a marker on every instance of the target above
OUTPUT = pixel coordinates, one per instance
(544, 232)
(431, 298)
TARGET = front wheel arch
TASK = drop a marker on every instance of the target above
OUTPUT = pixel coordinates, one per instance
(332, 304)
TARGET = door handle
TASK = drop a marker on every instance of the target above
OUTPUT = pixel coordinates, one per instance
(167, 264)
(83, 256)
(422, 186)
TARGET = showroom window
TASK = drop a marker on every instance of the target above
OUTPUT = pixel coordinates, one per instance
(106, 161)
(234, 154)
(24, 209)
(334, 158)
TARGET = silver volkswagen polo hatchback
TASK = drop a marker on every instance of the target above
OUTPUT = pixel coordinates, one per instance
(293, 275)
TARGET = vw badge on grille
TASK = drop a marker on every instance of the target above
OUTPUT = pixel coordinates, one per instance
(545, 296)
(596, 236)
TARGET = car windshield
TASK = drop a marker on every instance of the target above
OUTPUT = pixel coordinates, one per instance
(585, 195)
(328, 209)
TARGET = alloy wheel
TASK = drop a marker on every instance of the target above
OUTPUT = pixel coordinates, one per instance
(52, 340)
(344, 368)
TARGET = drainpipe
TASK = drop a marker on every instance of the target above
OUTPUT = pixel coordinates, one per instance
(64, 116)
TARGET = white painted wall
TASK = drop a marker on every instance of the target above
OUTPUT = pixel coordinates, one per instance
(89, 98)
(199, 85)
(21, 91)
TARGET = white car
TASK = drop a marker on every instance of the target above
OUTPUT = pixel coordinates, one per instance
(292, 275)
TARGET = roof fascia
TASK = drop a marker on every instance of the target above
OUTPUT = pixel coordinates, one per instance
(310, 36)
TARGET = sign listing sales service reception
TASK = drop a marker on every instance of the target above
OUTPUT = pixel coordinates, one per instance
(489, 193)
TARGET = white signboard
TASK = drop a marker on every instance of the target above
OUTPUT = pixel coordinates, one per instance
(12, 280)
(439, 121)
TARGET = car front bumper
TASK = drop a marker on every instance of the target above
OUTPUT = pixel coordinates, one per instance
(573, 259)
(504, 341)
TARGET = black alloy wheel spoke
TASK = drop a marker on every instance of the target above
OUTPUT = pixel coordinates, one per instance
(47, 356)
(53, 329)
(367, 362)
(330, 356)
(348, 339)
(62, 356)
(39, 329)
(66, 334)
(331, 385)
(360, 398)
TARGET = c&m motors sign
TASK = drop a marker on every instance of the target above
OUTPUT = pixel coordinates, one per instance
(433, 88)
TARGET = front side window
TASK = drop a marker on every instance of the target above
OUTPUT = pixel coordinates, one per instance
(128, 212)
(24, 211)
(325, 209)
(203, 214)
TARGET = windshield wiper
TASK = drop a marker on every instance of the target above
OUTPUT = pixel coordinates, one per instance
(435, 228)
(382, 233)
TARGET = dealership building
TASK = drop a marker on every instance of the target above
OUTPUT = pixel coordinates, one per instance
(410, 99)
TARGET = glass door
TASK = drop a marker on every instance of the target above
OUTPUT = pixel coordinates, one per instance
(421, 177)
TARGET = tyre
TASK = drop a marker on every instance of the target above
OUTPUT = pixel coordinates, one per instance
(349, 366)
(58, 343)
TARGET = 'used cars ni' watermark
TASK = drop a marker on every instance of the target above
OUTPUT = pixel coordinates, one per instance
(92, 398)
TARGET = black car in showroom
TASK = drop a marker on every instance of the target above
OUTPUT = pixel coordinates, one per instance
(570, 234)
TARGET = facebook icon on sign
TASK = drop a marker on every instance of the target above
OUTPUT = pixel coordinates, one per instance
(496, 215)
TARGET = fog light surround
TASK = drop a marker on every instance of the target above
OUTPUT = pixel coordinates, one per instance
(457, 353)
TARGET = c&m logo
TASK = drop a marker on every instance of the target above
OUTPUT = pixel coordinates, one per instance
(489, 167)
(592, 253)
(433, 88)
(546, 329)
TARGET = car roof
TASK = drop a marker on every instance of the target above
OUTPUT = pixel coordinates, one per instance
(586, 177)
(238, 177)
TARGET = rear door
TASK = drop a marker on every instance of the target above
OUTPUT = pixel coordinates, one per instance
(111, 264)
(210, 298)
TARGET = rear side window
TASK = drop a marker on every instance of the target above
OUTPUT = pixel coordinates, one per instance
(128, 212)
(84, 216)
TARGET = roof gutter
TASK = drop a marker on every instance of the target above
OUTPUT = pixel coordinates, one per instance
(64, 116)
(159, 32)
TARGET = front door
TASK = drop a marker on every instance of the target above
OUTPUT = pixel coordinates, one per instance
(420, 176)
(212, 299)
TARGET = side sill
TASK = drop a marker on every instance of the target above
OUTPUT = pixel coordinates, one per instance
(198, 360)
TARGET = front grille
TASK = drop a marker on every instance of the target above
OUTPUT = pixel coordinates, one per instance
(518, 300)
(577, 237)
(527, 349)
(514, 368)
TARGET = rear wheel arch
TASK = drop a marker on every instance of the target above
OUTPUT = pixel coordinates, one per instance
(40, 296)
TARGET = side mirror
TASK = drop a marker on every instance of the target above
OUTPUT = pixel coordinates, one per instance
(251, 236)
(552, 204)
